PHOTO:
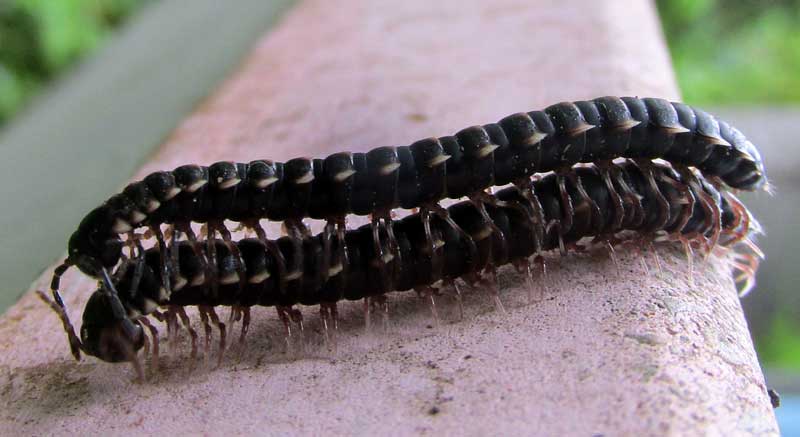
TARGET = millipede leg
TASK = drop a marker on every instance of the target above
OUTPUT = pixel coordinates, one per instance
(753, 247)
(186, 228)
(297, 317)
(567, 212)
(330, 324)
(341, 233)
(170, 335)
(325, 315)
(445, 215)
(642, 260)
(234, 315)
(367, 315)
(192, 333)
(747, 277)
(137, 273)
(327, 249)
(158, 315)
(207, 329)
(742, 216)
(630, 198)
(748, 285)
(530, 283)
(334, 309)
(480, 205)
(607, 240)
(129, 242)
(275, 252)
(117, 308)
(616, 199)
(164, 251)
(245, 325)
(523, 266)
(556, 224)
(173, 330)
(596, 214)
(715, 222)
(709, 204)
(135, 361)
(453, 285)
(487, 198)
(234, 249)
(154, 335)
(688, 200)
(656, 258)
(663, 205)
(296, 230)
(426, 226)
(687, 249)
(283, 315)
(748, 265)
(212, 267)
(145, 347)
(435, 248)
(75, 344)
(428, 294)
(176, 262)
(381, 260)
(525, 187)
(746, 269)
(55, 283)
(394, 247)
(491, 282)
(191, 237)
(222, 332)
(382, 304)
(700, 241)
(538, 259)
(122, 270)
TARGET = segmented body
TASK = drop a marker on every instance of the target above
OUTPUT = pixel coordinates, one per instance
(467, 241)
(514, 230)
(421, 174)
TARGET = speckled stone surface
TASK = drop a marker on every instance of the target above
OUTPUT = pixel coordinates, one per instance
(606, 352)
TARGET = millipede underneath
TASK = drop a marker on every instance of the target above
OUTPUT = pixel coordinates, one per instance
(415, 176)
(651, 200)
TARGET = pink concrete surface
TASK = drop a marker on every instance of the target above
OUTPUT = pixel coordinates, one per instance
(628, 353)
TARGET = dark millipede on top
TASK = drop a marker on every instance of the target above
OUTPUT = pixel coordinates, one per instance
(422, 173)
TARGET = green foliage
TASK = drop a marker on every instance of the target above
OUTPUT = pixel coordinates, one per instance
(41, 38)
(781, 346)
(724, 51)
(735, 51)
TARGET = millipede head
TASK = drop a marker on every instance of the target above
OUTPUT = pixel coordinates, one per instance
(106, 336)
(90, 257)
(93, 245)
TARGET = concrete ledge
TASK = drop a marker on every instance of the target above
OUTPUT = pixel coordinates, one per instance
(627, 354)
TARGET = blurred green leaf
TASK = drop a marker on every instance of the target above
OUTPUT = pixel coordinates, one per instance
(735, 51)
(41, 38)
(65, 27)
(781, 347)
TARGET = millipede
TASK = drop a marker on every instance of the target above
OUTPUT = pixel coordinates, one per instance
(651, 201)
(415, 176)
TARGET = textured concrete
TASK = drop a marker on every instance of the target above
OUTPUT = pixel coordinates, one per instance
(609, 353)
